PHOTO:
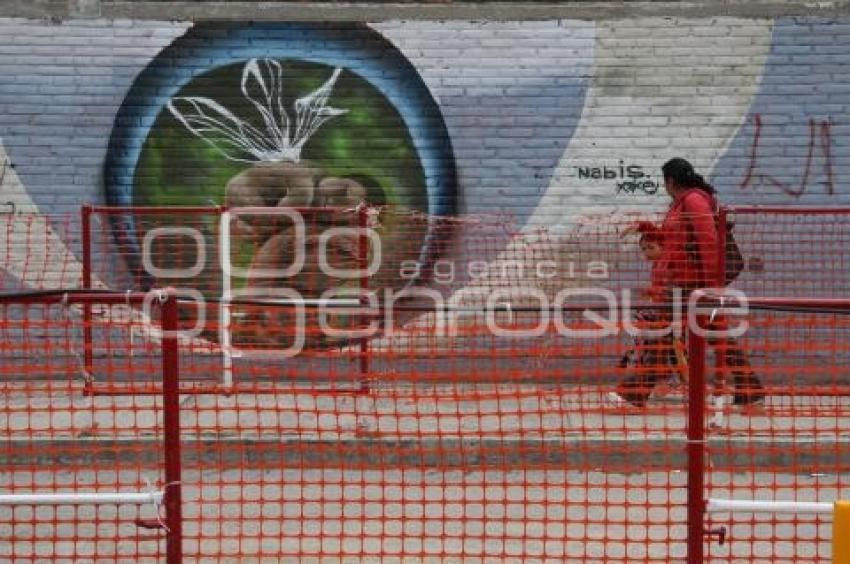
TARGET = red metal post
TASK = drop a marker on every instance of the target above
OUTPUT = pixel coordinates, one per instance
(171, 431)
(696, 445)
(363, 248)
(88, 354)
(722, 222)
(720, 363)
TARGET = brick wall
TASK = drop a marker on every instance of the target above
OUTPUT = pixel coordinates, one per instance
(548, 120)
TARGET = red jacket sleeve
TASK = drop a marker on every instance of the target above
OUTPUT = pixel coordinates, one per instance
(698, 210)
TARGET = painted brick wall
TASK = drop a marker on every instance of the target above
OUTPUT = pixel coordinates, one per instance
(534, 110)
(547, 120)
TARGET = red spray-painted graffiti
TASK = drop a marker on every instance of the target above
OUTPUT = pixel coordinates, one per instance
(819, 132)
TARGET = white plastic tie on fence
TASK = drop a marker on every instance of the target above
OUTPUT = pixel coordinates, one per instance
(157, 502)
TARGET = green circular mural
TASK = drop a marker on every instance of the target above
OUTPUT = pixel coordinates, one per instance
(367, 141)
(286, 134)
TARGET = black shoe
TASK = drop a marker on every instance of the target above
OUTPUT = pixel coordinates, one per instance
(748, 398)
(748, 389)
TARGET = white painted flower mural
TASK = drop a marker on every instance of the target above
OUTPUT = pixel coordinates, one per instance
(282, 138)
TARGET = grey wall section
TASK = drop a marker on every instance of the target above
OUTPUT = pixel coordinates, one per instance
(510, 118)
(332, 10)
(60, 88)
(515, 96)
(546, 119)
(795, 143)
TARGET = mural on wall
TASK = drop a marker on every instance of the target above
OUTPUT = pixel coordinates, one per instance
(645, 105)
(288, 115)
(820, 139)
(390, 130)
(550, 121)
(789, 149)
(268, 115)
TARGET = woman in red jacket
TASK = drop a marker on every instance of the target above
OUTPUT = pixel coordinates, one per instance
(690, 259)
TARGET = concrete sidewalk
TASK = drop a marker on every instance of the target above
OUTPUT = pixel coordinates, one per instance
(407, 425)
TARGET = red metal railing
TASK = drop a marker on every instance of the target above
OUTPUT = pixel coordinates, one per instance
(272, 437)
(786, 450)
(510, 441)
(44, 424)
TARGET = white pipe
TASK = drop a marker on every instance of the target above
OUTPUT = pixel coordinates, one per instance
(81, 498)
(753, 506)
(226, 295)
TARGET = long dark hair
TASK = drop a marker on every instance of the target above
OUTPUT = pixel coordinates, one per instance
(683, 174)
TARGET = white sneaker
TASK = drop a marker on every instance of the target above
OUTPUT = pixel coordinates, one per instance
(615, 400)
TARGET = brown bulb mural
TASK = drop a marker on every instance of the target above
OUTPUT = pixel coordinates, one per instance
(318, 140)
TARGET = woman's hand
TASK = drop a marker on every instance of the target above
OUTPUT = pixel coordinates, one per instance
(642, 227)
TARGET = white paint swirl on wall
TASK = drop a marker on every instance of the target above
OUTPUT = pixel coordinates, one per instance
(659, 88)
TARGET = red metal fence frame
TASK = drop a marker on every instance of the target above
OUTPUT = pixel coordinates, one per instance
(697, 414)
(87, 211)
(167, 302)
(697, 409)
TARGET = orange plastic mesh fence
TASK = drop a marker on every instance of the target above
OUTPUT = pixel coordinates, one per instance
(458, 405)
(793, 252)
(787, 251)
(56, 439)
(40, 251)
(476, 449)
(441, 446)
(791, 446)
